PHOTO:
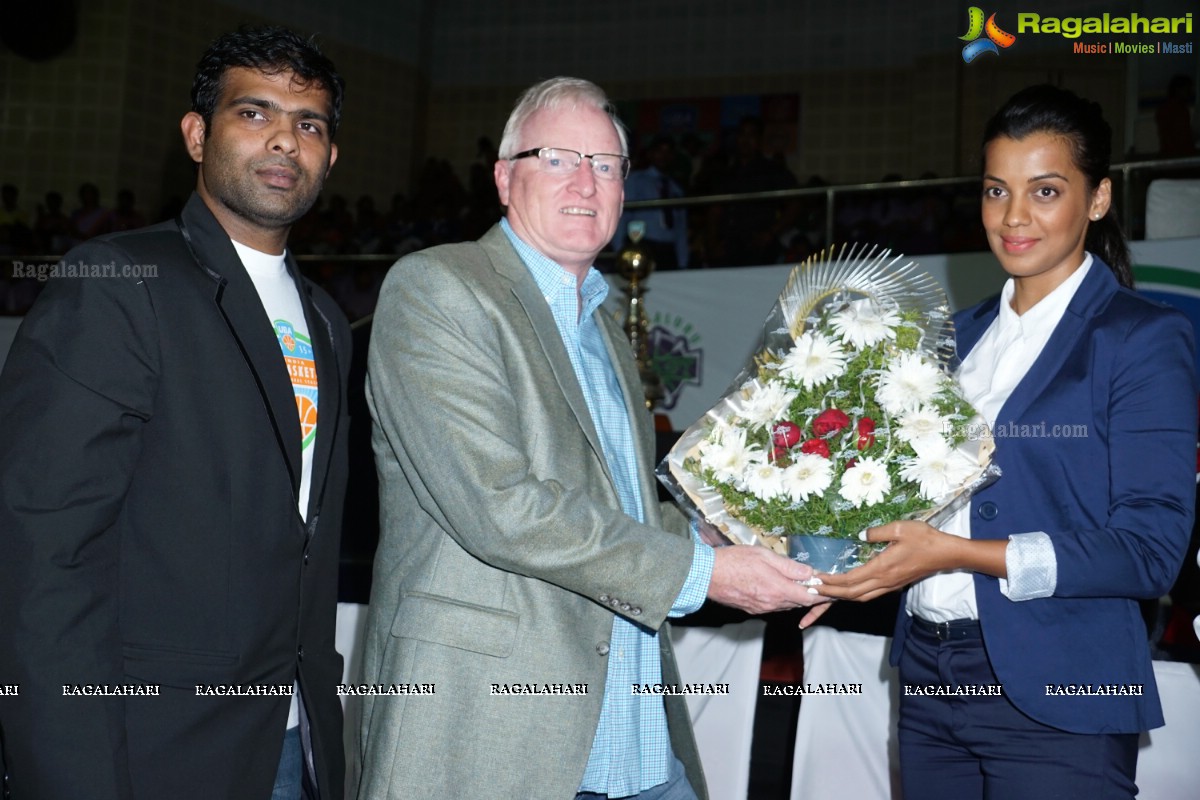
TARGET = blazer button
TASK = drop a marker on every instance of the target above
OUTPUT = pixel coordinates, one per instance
(306, 558)
(602, 648)
(625, 606)
(603, 598)
(635, 611)
(300, 652)
(614, 602)
(989, 510)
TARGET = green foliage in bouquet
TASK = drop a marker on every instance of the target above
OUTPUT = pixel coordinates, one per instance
(848, 416)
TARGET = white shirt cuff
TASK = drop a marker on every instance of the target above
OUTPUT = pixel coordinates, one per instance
(1032, 567)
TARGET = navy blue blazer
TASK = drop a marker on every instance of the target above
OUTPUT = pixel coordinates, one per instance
(1097, 445)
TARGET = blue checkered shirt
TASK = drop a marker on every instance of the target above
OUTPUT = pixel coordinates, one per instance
(632, 749)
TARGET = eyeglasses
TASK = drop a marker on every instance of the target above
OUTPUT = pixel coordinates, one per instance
(559, 161)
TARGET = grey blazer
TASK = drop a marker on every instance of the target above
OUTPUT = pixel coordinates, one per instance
(504, 552)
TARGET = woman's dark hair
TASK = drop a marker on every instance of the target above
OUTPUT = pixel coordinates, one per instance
(271, 51)
(1049, 109)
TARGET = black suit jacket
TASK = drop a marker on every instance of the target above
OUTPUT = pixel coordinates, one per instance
(149, 531)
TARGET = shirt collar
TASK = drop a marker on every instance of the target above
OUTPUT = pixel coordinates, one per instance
(555, 282)
(1046, 313)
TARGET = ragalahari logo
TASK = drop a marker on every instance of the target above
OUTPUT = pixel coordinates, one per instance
(976, 27)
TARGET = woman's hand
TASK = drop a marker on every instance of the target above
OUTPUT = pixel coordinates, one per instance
(915, 551)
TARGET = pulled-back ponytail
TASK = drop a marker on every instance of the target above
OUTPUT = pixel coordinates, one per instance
(1049, 109)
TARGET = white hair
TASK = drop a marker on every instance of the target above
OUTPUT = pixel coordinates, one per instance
(553, 94)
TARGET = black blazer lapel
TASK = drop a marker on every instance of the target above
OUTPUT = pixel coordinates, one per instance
(239, 304)
(329, 391)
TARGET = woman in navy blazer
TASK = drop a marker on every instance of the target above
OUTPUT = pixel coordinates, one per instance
(1089, 390)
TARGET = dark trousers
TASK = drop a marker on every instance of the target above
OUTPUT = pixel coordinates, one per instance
(978, 746)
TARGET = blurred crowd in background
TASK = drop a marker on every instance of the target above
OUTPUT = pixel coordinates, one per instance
(443, 208)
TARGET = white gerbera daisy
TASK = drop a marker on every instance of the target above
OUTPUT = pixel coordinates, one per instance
(763, 480)
(938, 468)
(908, 383)
(808, 475)
(866, 482)
(767, 402)
(814, 360)
(727, 454)
(864, 323)
(921, 424)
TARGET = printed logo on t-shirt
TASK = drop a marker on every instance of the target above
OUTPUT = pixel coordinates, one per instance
(302, 368)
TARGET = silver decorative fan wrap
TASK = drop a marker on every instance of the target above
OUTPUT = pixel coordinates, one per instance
(852, 272)
(815, 291)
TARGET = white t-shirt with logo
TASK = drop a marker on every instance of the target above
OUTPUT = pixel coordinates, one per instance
(280, 298)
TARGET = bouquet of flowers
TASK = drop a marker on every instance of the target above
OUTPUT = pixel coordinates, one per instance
(846, 417)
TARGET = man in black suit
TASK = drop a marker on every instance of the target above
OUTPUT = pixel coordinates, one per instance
(169, 506)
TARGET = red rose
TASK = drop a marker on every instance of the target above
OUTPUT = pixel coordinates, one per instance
(818, 446)
(830, 421)
(780, 455)
(866, 433)
(785, 434)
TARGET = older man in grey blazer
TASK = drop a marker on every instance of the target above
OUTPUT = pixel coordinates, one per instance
(525, 570)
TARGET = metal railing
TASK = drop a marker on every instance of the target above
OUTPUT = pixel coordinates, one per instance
(1122, 172)
(1131, 177)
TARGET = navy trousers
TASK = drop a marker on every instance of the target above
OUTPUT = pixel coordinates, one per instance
(980, 746)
